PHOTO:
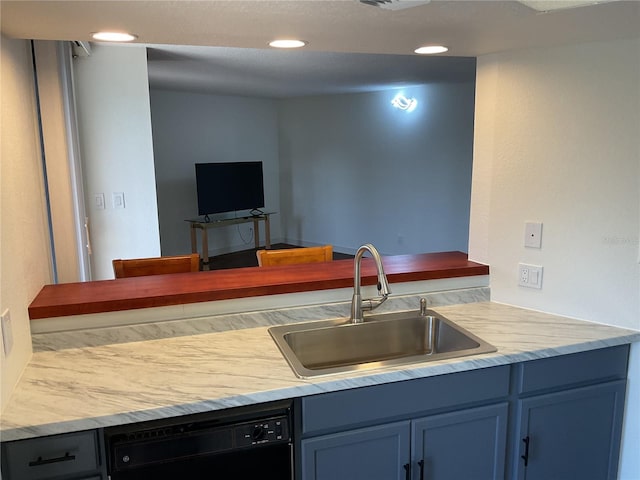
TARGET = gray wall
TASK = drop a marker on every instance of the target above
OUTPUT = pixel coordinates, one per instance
(340, 169)
(190, 128)
(356, 170)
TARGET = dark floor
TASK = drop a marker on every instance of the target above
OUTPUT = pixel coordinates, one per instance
(247, 258)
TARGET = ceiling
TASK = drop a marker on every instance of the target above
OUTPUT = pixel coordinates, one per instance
(281, 74)
(241, 63)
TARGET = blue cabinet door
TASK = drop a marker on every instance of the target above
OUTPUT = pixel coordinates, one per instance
(571, 434)
(375, 453)
(466, 444)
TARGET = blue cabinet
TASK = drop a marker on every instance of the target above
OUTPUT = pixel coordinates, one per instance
(568, 415)
(373, 453)
(571, 434)
(554, 418)
(71, 456)
(466, 444)
(412, 430)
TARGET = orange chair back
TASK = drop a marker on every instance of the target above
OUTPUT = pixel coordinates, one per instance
(289, 256)
(138, 267)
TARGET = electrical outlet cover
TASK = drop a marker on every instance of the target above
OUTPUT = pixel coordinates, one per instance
(529, 275)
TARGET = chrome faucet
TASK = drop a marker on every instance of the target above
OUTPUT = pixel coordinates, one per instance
(358, 305)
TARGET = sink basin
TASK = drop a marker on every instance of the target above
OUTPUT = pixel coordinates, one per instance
(336, 346)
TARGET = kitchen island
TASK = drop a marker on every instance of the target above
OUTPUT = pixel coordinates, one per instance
(82, 388)
(550, 374)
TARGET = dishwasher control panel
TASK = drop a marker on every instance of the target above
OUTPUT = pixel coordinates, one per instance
(264, 431)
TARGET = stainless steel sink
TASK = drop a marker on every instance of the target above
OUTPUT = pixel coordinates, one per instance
(336, 346)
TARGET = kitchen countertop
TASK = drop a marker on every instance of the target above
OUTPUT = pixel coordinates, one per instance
(84, 388)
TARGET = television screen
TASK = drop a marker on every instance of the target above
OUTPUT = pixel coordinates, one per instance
(228, 187)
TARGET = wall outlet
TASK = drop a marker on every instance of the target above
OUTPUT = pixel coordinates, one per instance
(529, 275)
(524, 275)
(7, 332)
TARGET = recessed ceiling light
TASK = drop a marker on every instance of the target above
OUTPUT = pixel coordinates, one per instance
(549, 5)
(287, 43)
(114, 37)
(431, 49)
(395, 4)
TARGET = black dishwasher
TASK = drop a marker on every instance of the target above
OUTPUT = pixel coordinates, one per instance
(238, 443)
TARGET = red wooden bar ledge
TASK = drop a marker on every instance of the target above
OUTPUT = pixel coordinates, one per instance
(182, 288)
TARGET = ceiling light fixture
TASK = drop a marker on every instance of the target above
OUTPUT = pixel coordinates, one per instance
(287, 43)
(431, 49)
(114, 36)
(408, 104)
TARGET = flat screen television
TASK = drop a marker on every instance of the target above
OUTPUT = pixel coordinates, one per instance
(229, 187)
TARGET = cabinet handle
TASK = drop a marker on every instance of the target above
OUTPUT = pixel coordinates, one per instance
(40, 461)
(525, 457)
(407, 469)
(421, 463)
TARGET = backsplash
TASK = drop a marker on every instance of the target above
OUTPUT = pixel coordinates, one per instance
(218, 323)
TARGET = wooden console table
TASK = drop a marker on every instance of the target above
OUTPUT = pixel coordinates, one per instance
(203, 226)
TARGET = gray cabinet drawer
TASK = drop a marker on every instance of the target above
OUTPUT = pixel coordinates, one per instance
(48, 457)
(578, 368)
(368, 405)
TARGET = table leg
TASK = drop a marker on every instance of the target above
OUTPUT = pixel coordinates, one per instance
(194, 240)
(256, 232)
(205, 250)
(267, 232)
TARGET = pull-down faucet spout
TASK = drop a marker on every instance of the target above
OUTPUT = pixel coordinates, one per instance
(358, 305)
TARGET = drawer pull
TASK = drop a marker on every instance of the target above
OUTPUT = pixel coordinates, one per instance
(40, 461)
(525, 457)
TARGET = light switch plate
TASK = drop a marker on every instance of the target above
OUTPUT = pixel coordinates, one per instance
(118, 199)
(99, 201)
(533, 234)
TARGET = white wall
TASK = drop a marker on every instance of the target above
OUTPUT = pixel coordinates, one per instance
(24, 238)
(190, 128)
(356, 170)
(556, 141)
(112, 89)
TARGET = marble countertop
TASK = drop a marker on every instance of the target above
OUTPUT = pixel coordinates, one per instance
(82, 388)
